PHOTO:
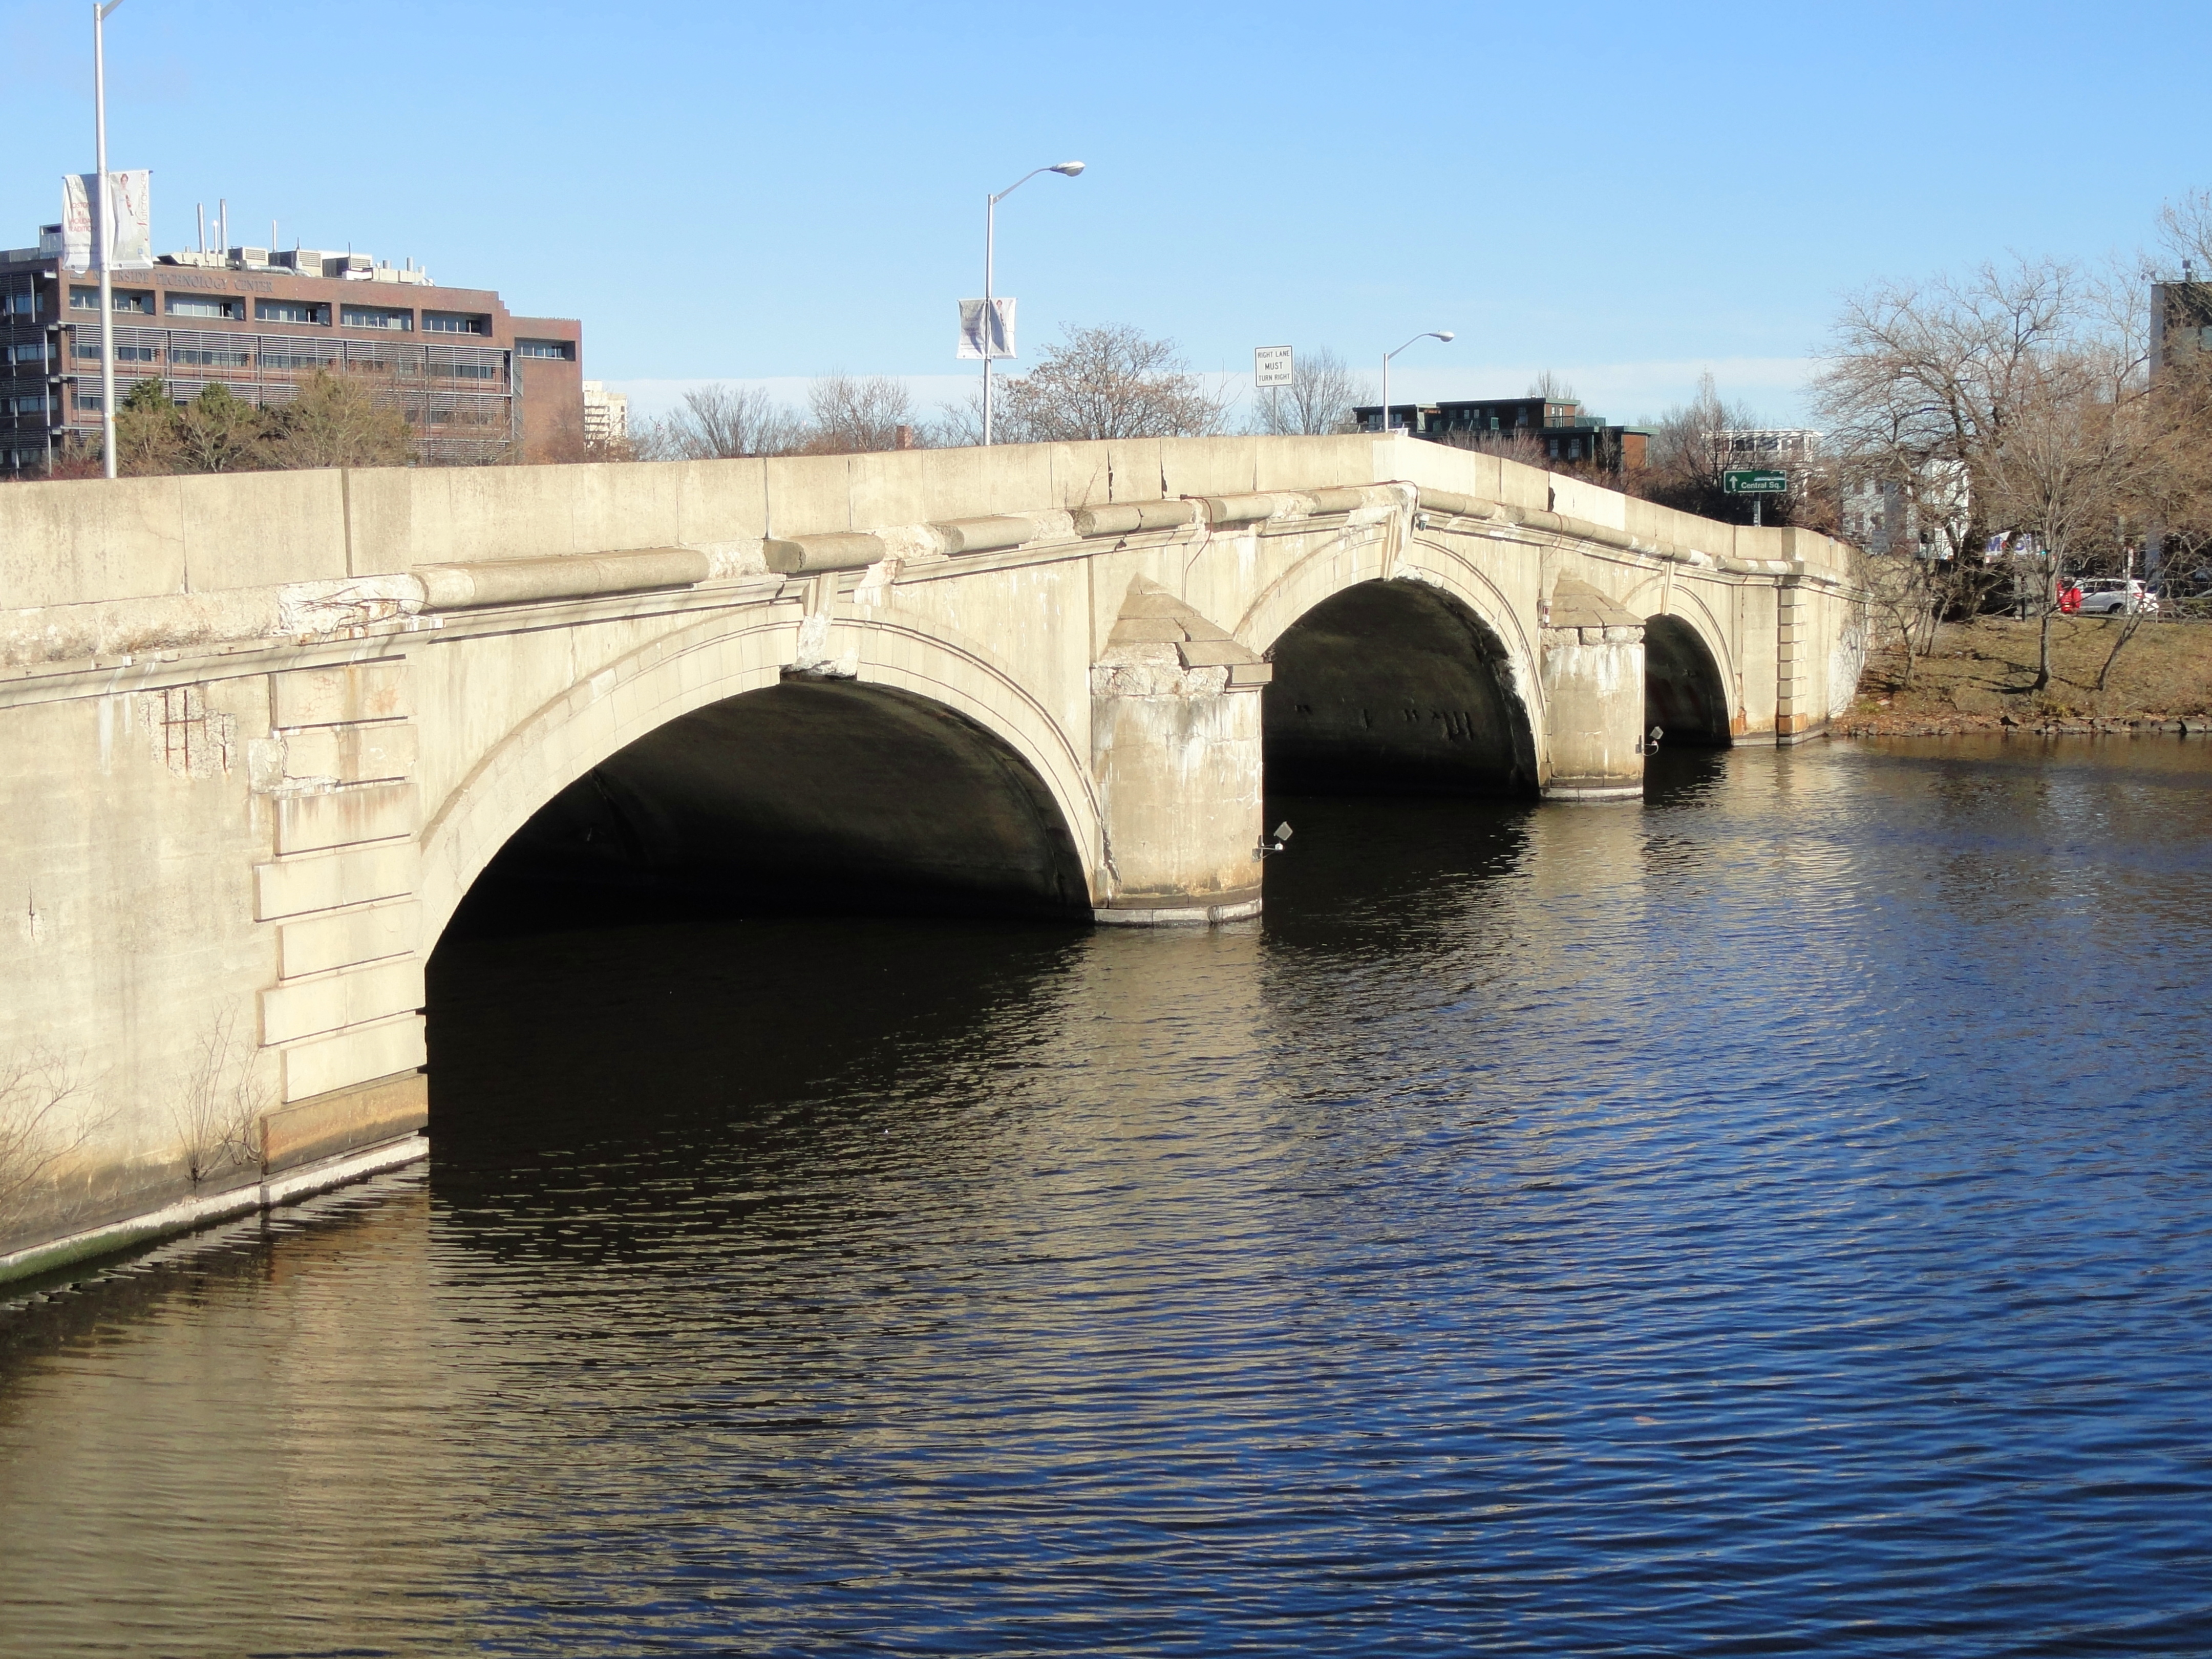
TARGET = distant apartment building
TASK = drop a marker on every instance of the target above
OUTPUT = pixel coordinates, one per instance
(473, 379)
(1557, 424)
(1770, 448)
(606, 415)
(2180, 318)
(1926, 513)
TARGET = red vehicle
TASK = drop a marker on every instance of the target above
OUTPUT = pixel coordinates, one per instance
(2069, 599)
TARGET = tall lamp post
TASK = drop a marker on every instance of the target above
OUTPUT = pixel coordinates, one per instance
(1444, 334)
(101, 236)
(990, 238)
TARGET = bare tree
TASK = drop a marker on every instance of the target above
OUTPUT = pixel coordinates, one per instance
(1109, 381)
(854, 416)
(2185, 234)
(35, 1088)
(1922, 383)
(1320, 398)
(2072, 460)
(1511, 446)
(720, 422)
(219, 1119)
(1552, 387)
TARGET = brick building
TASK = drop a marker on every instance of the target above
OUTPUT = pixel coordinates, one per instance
(473, 379)
(1557, 424)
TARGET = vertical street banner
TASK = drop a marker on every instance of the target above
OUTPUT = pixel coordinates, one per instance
(972, 342)
(130, 219)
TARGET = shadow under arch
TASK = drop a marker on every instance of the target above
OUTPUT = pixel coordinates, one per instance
(1396, 687)
(807, 794)
(1684, 693)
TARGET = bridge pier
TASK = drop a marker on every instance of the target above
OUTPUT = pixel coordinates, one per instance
(1176, 750)
(1593, 669)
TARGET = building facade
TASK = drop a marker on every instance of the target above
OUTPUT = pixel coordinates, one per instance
(1556, 425)
(474, 381)
(606, 418)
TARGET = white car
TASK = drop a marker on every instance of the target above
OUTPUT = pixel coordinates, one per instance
(2113, 596)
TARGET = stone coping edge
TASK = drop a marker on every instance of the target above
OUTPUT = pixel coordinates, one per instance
(189, 1214)
(1194, 915)
(1593, 792)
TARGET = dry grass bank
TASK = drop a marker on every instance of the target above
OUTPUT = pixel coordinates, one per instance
(1979, 679)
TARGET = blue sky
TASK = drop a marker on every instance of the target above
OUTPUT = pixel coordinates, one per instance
(1628, 194)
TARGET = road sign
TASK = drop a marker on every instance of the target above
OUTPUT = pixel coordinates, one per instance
(1755, 482)
(1270, 366)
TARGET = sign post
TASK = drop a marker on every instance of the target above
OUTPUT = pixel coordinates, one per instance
(1271, 372)
(1756, 483)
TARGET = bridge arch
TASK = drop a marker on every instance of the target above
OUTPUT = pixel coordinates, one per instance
(1407, 676)
(1686, 688)
(1689, 672)
(913, 719)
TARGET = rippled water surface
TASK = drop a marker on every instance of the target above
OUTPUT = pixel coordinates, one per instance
(1773, 1219)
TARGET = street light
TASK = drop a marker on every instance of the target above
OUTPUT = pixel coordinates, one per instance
(99, 230)
(1068, 169)
(1444, 334)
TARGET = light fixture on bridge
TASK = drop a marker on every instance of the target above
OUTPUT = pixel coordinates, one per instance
(1444, 334)
(990, 322)
(1275, 842)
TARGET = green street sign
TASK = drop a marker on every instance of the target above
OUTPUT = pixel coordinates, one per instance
(1755, 482)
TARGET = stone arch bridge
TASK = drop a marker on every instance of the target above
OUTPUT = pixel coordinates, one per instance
(261, 734)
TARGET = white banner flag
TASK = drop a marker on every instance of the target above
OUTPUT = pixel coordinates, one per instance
(130, 219)
(971, 328)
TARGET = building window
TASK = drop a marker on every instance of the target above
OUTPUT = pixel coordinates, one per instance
(207, 305)
(20, 305)
(87, 351)
(87, 299)
(559, 350)
(290, 311)
(454, 322)
(212, 356)
(375, 317)
(466, 371)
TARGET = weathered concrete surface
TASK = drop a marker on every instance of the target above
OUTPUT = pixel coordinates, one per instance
(259, 734)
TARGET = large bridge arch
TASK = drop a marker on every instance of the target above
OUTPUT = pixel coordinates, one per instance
(1410, 675)
(901, 677)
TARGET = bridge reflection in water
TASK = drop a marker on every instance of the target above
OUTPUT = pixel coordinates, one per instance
(1597, 1232)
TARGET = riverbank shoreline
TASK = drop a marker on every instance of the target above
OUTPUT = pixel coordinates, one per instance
(1979, 680)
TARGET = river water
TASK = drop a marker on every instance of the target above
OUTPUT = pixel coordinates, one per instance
(1777, 1219)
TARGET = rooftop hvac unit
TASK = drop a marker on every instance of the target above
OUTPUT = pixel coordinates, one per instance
(250, 256)
(345, 264)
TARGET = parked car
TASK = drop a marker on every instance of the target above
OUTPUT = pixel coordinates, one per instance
(2113, 596)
